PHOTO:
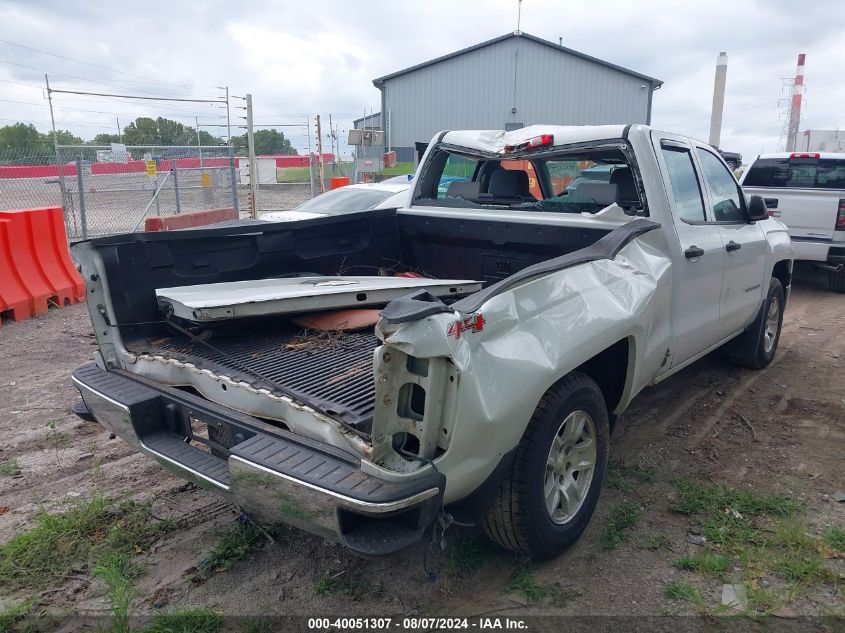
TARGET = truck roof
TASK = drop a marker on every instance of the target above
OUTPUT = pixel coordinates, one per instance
(836, 155)
(496, 140)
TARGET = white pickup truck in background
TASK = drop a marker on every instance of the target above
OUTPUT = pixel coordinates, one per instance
(806, 191)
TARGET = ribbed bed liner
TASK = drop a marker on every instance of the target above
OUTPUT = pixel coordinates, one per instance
(332, 371)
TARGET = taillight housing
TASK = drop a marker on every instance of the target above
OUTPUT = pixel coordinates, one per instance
(840, 216)
(543, 140)
(805, 155)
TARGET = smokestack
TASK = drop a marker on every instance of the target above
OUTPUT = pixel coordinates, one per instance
(718, 98)
(795, 107)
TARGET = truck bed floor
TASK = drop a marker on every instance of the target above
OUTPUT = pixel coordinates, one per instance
(332, 371)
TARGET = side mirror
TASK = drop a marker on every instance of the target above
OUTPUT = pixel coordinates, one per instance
(757, 209)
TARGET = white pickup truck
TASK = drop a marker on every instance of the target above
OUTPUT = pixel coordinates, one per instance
(806, 191)
(462, 358)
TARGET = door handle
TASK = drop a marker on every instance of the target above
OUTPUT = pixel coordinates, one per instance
(693, 251)
(732, 246)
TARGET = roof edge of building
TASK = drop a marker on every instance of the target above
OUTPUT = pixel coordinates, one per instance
(655, 83)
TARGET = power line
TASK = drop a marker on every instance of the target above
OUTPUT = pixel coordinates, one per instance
(116, 96)
(114, 70)
(101, 82)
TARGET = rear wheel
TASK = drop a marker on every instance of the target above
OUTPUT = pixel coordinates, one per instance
(548, 497)
(837, 280)
(768, 336)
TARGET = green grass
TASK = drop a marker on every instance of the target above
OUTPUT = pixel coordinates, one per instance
(523, 581)
(706, 563)
(727, 514)
(643, 470)
(763, 532)
(118, 571)
(803, 566)
(9, 468)
(88, 534)
(190, 620)
(258, 625)
(399, 169)
(623, 516)
(12, 618)
(653, 540)
(55, 438)
(326, 586)
(234, 543)
(301, 174)
(292, 174)
(680, 590)
(835, 538)
(613, 477)
(759, 601)
(696, 498)
(468, 551)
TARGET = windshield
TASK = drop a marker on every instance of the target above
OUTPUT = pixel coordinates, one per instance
(576, 181)
(346, 200)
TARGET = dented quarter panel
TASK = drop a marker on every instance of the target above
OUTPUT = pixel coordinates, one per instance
(533, 335)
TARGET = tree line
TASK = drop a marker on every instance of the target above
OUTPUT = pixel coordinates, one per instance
(22, 143)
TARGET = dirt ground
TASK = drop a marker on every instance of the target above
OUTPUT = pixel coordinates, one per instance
(778, 430)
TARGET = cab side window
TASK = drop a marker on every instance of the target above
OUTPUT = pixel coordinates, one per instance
(728, 203)
(685, 187)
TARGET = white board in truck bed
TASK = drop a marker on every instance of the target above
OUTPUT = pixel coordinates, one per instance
(289, 295)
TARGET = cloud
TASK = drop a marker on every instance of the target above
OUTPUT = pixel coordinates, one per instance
(302, 58)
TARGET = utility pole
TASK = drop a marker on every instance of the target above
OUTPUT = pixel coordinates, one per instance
(310, 156)
(58, 161)
(718, 99)
(331, 140)
(795, 105)
(119, 133)
(253, 166)
(199, 144)
(320, 154)
(228, 123)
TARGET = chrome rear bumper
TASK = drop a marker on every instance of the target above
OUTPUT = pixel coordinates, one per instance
(273, 475)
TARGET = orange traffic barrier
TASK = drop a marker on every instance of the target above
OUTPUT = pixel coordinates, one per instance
(35, 264)
(190, 220)
(339, 181)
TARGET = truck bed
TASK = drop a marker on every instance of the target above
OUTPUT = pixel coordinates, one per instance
(329, 370)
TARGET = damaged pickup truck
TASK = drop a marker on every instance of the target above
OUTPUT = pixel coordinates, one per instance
(460, 359)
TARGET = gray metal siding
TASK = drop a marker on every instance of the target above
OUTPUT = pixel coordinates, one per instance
(373, 121)
(475, 91)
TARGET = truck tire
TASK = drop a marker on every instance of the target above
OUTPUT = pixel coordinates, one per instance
(550, 493)
(836, 280)
(765, 345)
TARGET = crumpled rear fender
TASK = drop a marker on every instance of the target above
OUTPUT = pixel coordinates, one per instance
(531, 336)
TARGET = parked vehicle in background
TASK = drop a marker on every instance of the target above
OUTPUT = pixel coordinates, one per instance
(348, 199)
(806, 191)
(367, 376)
(732, 159)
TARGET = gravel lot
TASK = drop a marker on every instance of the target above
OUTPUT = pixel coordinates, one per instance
(781, 430)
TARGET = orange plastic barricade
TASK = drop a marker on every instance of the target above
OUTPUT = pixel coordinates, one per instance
(339, 181)
(35, 264)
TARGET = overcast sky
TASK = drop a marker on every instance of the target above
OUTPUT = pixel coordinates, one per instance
(320, 56)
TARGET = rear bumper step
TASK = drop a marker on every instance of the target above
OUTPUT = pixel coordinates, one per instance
(276, 476)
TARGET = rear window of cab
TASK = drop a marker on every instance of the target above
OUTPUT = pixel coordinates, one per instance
(797, 173)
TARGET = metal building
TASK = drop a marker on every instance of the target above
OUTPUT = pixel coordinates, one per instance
(506, 83)
(821, 141)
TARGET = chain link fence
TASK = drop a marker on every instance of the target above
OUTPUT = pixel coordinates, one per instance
(104, 193)
(106, 190)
